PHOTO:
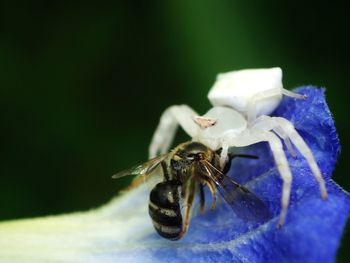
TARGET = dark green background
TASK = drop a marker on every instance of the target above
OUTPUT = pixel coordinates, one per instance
(82, 85)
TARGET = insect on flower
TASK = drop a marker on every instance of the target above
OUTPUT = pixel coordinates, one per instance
(186, 170)
(242, 101)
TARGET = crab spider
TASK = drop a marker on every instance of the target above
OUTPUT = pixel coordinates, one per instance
(242, 101)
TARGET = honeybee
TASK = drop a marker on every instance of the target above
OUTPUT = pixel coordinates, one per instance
(187, 169)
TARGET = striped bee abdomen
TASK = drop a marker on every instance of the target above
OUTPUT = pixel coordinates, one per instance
(164, 209)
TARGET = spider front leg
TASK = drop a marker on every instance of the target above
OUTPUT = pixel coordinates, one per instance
(164, 135)
(276, 147)
(302, 147)
(285, 129)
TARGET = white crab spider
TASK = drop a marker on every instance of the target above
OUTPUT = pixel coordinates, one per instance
(241, 103)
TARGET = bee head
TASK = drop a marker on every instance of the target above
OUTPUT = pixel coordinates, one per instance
(188, 153)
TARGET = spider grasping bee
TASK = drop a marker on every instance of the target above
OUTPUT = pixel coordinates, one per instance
(186, 170)
(242, 101)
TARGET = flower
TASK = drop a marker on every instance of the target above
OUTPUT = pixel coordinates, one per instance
(121, 231)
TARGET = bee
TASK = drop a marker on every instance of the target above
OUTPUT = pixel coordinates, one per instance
(187, 169)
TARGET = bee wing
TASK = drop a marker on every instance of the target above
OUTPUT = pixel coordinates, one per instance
(144, 169)
(244, 203)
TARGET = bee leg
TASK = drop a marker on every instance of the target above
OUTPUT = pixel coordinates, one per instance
(189, 198)
(212, 190)
(202, 199)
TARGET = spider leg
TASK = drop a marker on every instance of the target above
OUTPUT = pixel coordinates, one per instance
(266, 95)
(164, 135)
(285, 129)
(284, 170)
(279, 157)
(293, 94)
(280, 132)
(263, 95)
(300, 144)
(224, 156)
(267, 123)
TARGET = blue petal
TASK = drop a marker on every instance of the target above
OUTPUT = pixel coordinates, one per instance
(121, 231)
(313, 226)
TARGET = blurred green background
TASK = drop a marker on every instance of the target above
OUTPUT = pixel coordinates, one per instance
(82, 85)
